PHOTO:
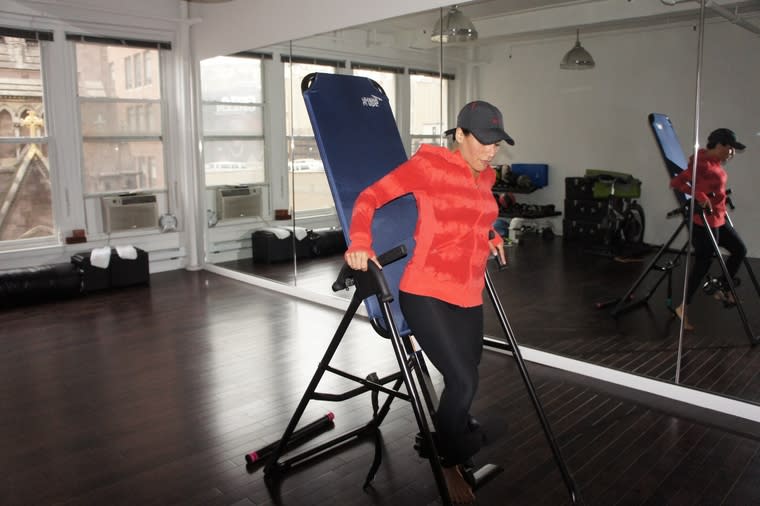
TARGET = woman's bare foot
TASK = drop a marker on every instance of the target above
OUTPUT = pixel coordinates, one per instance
(725, 296)
(459, 490)
(679, 314)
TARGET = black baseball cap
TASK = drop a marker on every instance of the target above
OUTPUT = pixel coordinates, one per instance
(484, 121)
(726, 137)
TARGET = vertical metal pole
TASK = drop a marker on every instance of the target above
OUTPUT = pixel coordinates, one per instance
(292, 164)
(692, 203)
(441, 98)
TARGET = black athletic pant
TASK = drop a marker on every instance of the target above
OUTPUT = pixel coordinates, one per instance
(452, 338)
(703, 254)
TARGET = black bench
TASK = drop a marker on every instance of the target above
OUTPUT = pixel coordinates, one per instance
(30, 285)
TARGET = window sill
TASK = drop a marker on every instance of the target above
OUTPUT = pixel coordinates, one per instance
(30, 245)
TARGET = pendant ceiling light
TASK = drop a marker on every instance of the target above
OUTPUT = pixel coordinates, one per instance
(454, 27)
(577, 58)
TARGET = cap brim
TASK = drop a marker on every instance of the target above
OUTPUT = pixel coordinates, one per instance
(739, 146)
(492, 136)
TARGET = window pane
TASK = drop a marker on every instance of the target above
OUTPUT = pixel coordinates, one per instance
(309, 186)
(233, 119)
(25, 188)
(119, 118)
(96, 78)
(128, 84)
(387, 80)
(25, 184)
(231, 79)
(234, 162)
(420, 140)
(123, 166)
(425, 106)
(148, 67)
(312, 191)
(137, 60)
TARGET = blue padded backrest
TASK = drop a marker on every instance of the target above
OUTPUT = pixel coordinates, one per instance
(359, 142)
(670, 148)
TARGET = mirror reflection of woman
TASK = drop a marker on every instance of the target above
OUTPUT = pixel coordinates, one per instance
(710, 194)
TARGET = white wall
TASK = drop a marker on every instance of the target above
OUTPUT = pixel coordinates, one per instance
(597, 119)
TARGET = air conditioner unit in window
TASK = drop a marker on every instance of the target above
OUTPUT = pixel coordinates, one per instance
(126, 212)
(238, 202)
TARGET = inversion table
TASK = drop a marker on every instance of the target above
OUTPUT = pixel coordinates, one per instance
(359, 143)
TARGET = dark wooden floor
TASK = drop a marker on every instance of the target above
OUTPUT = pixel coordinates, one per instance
(551, 291)
(152, 395)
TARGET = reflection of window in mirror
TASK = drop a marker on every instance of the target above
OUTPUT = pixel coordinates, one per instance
(384, 76)
(311, 191)
(233, 119)
(425, 113)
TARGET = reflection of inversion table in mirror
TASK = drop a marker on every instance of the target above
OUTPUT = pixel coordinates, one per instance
(675, 163)
(359, 143)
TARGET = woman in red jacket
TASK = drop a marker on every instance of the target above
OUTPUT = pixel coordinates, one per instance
(710, 193)
(442, 285)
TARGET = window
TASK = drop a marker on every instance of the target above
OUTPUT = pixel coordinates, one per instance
(311, 191)
(233, 120)
(137, 60)
(26, 210)
(428, 107)
(147, 166)
(128, 72)
(147, 68)
(384, 76)
(120, 118)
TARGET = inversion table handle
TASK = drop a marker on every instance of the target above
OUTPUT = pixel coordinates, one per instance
(371, 281)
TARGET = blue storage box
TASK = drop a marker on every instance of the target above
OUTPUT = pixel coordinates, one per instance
(537, 172)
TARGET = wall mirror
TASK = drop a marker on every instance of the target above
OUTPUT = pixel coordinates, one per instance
(294, 182)
(557, 291)
(717, 355)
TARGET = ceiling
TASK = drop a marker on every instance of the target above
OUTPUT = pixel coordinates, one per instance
(498, 19)
(475, 10)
